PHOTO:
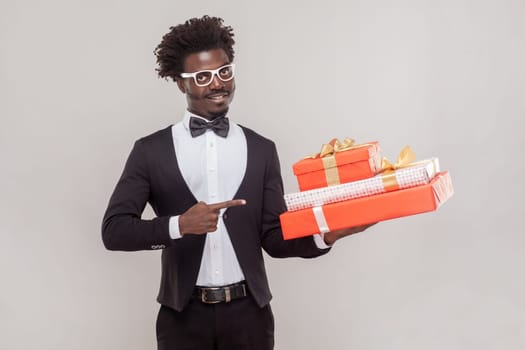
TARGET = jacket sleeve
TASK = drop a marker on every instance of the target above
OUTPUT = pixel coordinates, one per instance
(274, 205)
(122, 226)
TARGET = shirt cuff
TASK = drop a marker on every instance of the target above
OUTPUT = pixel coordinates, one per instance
(319, 241)
(174, 227)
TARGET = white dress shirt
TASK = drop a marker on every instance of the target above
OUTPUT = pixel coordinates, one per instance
(213, 167)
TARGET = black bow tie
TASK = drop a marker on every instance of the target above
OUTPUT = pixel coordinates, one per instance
(219, 125)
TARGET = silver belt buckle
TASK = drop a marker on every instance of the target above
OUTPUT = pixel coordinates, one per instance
(203, 296)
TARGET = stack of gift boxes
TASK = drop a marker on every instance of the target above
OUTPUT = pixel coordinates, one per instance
(347, 185)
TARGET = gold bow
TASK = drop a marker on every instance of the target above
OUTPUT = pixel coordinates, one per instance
(333, 147)
(405, 158)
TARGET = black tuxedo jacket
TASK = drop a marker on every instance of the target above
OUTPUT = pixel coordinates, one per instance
(151, 174)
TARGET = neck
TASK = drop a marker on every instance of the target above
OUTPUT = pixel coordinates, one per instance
(209, 117)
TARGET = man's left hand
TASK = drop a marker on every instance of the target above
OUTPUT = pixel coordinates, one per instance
(332, 236)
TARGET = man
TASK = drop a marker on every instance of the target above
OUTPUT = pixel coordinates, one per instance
(216, 189)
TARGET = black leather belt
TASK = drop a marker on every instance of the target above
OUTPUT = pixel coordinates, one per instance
(225, 294)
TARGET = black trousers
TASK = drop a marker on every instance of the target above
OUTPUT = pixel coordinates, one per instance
(239, 324)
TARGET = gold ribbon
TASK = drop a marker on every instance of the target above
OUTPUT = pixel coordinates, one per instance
(327, 156)
(330, 171)
(405, 159)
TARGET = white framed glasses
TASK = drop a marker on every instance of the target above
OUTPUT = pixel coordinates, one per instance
(205, 77)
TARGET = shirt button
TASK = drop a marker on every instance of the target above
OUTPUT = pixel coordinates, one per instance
(225, 216)
(216, 272)
(211, 144)
(212, 170)
(213, 195)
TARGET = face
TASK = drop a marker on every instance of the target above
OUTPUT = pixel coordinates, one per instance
(210, 101)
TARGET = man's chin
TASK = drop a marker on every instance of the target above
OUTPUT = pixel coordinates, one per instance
(218, 114)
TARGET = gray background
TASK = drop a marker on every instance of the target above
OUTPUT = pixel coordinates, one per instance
(78, 86)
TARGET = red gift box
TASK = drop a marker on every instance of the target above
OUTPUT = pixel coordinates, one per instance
(338, 165)
(368, 210)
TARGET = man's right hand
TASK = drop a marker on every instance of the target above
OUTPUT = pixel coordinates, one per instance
(202, 218)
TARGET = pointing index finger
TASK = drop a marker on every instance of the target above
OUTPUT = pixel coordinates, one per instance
(227, 204)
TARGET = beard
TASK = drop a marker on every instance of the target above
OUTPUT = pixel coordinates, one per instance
(219, 114)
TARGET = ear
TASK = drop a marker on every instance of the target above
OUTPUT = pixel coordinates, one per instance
(180, 84)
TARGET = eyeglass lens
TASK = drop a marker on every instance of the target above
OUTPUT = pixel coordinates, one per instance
(205, 77)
